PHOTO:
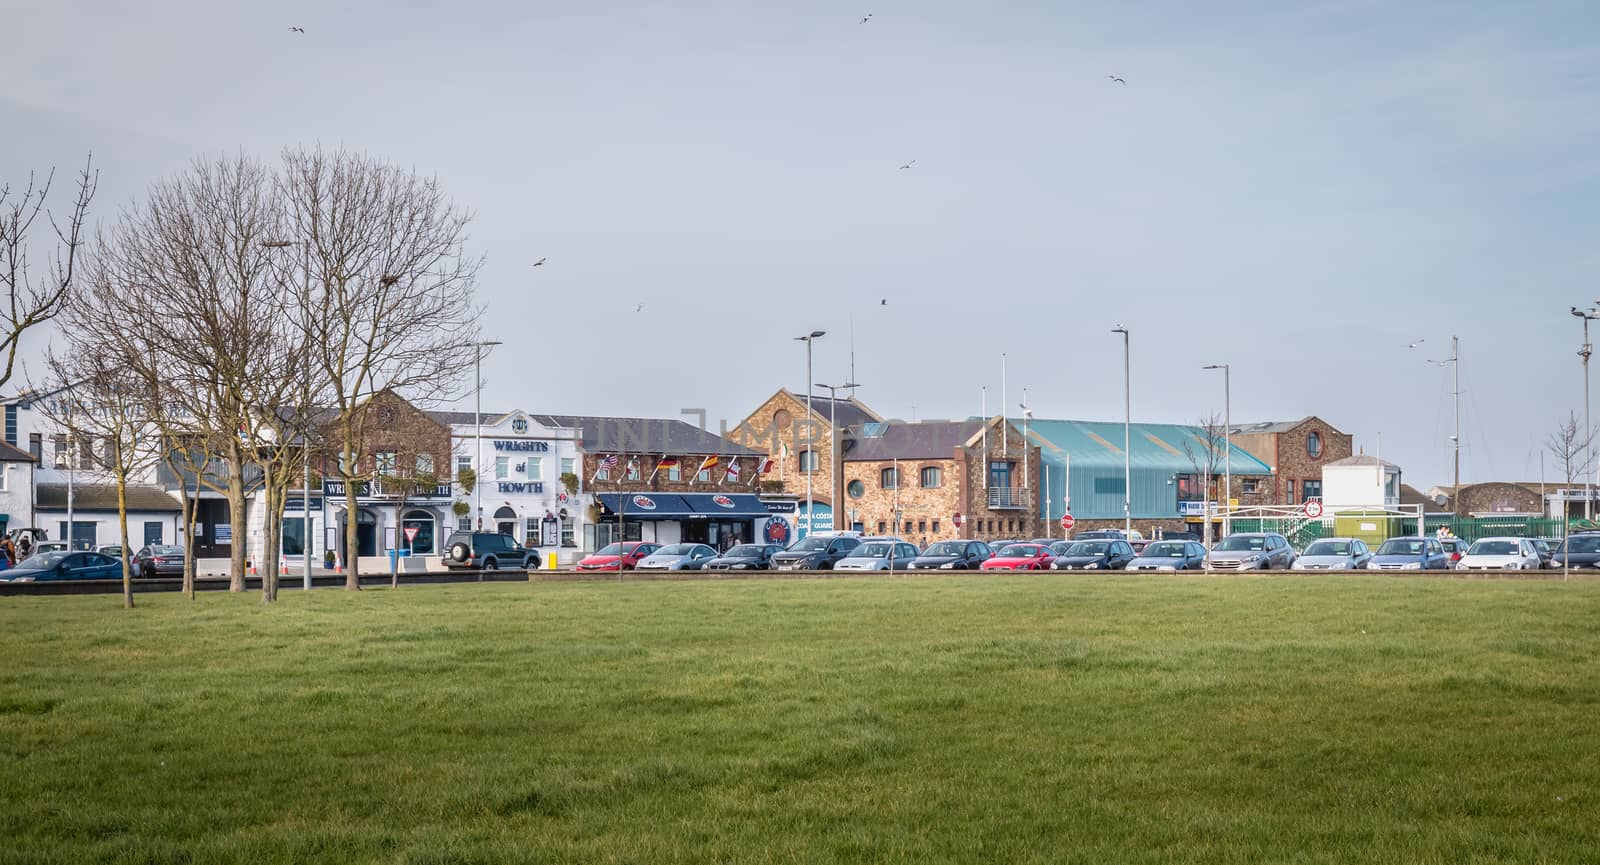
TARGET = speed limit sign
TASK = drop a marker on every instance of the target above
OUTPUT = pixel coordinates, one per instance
(1313, 508)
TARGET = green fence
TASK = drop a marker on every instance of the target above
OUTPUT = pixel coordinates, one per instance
(1302, 532)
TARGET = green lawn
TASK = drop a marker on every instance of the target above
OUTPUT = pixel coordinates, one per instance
(1027, 719)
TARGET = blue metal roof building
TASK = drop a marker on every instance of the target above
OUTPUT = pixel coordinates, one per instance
(1083, 460)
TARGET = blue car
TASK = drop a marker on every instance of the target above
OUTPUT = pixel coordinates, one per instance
(1410, 554)
(64, 565)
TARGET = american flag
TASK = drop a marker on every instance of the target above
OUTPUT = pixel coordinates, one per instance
(610, 462)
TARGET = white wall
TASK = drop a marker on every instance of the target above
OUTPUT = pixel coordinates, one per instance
(107, 527)
(1346, 487)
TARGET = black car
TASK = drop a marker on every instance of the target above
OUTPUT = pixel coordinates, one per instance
(1094, 555)
(951, 556)
(745, 557)
(1585, 551)
(815, 553)
(156, 560)
(487, 551)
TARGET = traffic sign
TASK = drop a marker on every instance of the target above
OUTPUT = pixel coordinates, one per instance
(957, 519)
(411, 533)
(1067, 521)
(1313, 508)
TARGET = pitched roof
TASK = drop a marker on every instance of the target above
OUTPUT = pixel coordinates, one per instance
(846, 412)
(103, 497)
(451, 418)
(1363, 460)
(644, 435)
(10, 453)
(1089, 444)
(912, 441)
(1271, 427)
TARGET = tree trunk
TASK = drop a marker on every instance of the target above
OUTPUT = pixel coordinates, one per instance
(122, 519)
(271, 502)
(236, 515)
(191, 504)
(352, 580)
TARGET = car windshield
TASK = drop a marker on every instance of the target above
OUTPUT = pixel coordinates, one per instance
(946, 548)
(1493, 548)
(1164, 549)
(872, 550)
(812, 544)
(1088, 548)
(44, 560)
(1019, 551)
(613, 549)
(1240, 543)
(675, 550)
(1401, 547)
(1329, 548)
(1584, 543)
(745, 551)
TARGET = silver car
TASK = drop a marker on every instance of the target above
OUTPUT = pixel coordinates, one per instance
(1334, 554)
(1251, 551)
(877, 554)
(678, 557)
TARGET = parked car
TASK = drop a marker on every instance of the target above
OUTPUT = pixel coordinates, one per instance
(1093, 555)
(1334, 554)
(1101, 534)
(1019, 557)
(1546, 548)
(1454, 547)
(879, 554)
(745, 557)
(961, 555)
(49, 547)
(617, 557)
(1500, 554)
(1583, 548)
(1178, 536)
(155, 560)
(62, 565)
(1410, 554)
(677, 557)
(1169, 556)
(815, 553)
(1252, 551)
(996, 546)
(112, 550)
(487, 551)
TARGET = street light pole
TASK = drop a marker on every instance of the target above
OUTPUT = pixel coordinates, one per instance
(1227, 447)
(837, 470)
(811, 455)
(1127, 437)
(1588, 438)
(477, 429)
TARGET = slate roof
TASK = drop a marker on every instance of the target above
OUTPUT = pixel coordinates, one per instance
(10, 453)
(913, 441)
(1271, 427)
(103, 497)
(644, 435)
(846, 412)
(1363, 460)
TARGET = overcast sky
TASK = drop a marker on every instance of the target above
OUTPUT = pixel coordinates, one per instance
(1299, 192)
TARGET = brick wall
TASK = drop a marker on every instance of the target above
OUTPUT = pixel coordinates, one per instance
(1492, 498)
(1003, 523)
(1287, 453)
(927, 509)
(780, 423)
(389, 423)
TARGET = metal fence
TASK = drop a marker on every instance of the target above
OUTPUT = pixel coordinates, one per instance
(1301, 532)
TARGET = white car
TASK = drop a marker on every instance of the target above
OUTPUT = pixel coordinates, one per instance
(876, 554)
(1500, 554)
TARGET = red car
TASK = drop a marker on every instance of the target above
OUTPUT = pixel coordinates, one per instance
(615, 557)
(1020, 557)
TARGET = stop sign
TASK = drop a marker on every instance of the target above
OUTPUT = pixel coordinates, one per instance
(1067, 521)
(957, 519)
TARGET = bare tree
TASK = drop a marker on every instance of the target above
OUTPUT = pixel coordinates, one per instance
(1206, 453)
(32, 301)
(392, 287)
(1569, 444)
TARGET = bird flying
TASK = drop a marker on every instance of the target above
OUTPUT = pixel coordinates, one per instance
(297, 29)
(1417, 343)
(884, 302)
(540, 262)
(908, 165)
(866, 19)
(1118, 80)
(639, 308)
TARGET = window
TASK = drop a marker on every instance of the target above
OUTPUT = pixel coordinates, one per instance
(633, 470)
(1288, 487)
(502, 468)
(674, 473)
(1110, 486)
(856, 489)
(889, 478)
(781, 419)
(1311, 490)
(922, 525)
(1250, 485)
(60, 443)
(5, 475)
(883, 527)
(424, 464)
(422, 521)
(383, 462)
(808, 461)
(931, 477)
(702, 476)
(908, 527)
(464, 524)
(936, 527)
(1314, 445)
(568, 537)
(603, 474)
(535, 468)
(463, 464)
(567, 466)
(36, 446)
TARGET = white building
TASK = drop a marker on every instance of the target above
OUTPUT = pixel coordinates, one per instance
(520, 460)
(16, 488)
(1360, 481)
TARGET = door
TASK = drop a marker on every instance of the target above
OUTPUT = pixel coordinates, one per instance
(84, 534)
(152, 533)
(1000, 475)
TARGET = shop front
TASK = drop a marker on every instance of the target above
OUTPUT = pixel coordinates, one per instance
(416, 526)
(720, 520)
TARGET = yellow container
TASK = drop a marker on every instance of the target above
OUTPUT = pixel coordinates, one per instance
(550, 563)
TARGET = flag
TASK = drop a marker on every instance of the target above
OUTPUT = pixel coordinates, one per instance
(733, 471)
(710, 462)
(633, 467)
(667, 463)
(607, 464)
(766, 467)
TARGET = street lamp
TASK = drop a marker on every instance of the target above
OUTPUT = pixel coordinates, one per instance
(1127, 438)
(477, 427)
(833, 445)
(1588, 439)
(810, 454)
(1227, 447)
(305, 431)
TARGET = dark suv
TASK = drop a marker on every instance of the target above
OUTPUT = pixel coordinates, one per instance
(487, 551)
(814, 553)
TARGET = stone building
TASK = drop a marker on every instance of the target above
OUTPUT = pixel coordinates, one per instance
(1295, 451)
(779, 429)
(908, 479)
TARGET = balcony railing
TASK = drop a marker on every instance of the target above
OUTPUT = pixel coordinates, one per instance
(1008, 498)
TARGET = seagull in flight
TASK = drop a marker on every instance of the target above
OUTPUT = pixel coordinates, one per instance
(908, 165)
(884, 302)
(1118, 80)
(540, 262)
(300, 30)
(1417, 343)
(639, 308)
(866, 19)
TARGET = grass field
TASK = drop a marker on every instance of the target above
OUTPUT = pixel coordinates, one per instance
(1042, 719)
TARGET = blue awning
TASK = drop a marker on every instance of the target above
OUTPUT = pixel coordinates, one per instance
(646, 506)
(737, 505)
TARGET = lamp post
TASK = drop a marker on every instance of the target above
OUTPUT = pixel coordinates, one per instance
(305, 432)
(1227, 447)
(811, 455)
(1588, 438)
(837, 469)
(477, 428)
(1127, 438)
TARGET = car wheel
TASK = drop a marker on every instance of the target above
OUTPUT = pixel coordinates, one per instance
(459, 552)
(532, 564)
(490, 565)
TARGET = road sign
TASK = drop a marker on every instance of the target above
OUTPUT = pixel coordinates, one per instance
(411, 533)
(957, 519)
(1313, 508)
(1067, 521)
